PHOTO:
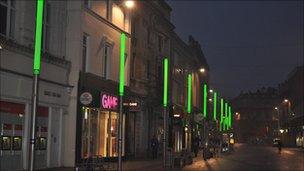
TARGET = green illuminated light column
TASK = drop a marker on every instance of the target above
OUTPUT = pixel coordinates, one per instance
(189, 108)
(222, 114)
(205, 101)
(165, 103)
(226, 118)
(122, 64)
(214, 105)
(165, 96)
(229, 116)
(36, 72)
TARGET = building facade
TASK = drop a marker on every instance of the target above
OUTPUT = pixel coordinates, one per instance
(151, 43)
(16, 54)
(78, 87)
(186, 58)
(257, 120)
(291, 107)
(93, 46)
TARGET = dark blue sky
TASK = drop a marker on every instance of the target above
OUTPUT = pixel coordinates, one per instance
(247, 44)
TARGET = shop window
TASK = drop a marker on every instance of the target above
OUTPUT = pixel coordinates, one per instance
(99, 133)
(7, 18)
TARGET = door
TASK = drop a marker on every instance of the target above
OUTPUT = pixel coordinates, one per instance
(55, 130)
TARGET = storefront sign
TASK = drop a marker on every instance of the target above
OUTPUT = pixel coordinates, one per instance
(132, 106)
(86, 98)
(108, 101)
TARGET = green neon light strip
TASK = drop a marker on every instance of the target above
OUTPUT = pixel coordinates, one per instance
(122, 64)
(214, 105)
(165, 100)
(189, 93)
(222, 114)
(205, 100)
(222, 110)
(230, 119)
(226, 115)
(38, 37)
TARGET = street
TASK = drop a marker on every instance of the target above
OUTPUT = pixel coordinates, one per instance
(247, 157)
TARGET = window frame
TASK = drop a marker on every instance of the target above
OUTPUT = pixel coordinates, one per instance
(9, 33)
(84, 67)
(106, 61)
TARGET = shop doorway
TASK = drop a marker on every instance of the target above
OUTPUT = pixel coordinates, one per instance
(100, 133)
(55, 137)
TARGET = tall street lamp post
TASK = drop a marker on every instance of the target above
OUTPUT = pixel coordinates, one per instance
(165, 104)
(278, 113)
(121, 94)
(36, 72)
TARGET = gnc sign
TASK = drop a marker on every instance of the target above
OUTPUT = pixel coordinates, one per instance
(108, 101)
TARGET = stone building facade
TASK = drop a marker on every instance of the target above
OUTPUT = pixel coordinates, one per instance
(16, 61)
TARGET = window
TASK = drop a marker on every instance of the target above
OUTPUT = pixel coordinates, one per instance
(118, 16)
(46, 26)
(87, 3)
(133, 66)
(7, 18)
(106, 61)
(85, 39)
(160, 43)
(148, 74)
(148, 36)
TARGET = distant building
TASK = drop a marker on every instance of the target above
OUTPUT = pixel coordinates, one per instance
(186, 58)
(291, 107)
(256, 121)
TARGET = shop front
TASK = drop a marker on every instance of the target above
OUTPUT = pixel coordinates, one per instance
(99, 122)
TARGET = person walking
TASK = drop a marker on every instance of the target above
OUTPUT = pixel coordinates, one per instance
(154, 147)
(279, 146)
(196, 143)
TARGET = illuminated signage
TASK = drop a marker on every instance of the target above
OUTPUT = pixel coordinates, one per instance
(108, 101)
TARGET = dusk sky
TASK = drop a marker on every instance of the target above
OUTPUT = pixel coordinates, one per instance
(247, 44)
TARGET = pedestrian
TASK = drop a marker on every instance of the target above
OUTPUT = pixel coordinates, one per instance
(279, 146)
(196, 143)
(154, 147)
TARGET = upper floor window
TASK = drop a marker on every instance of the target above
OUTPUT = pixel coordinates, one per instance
(46, 27)
(160, 43)
(106, 61)
(118, 16)
(87, 3)
(148, 72)
(7, 18)
(133, 65)
(85, 45)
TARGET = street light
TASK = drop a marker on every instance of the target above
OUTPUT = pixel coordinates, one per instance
(286, 100)
(129, 4)
(202, 70)
(36, 73)
(210, 91)
(276, 108)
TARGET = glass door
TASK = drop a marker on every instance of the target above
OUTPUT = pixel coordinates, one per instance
(100, 133)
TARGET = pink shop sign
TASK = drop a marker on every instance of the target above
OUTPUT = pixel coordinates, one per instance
(108, 101)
